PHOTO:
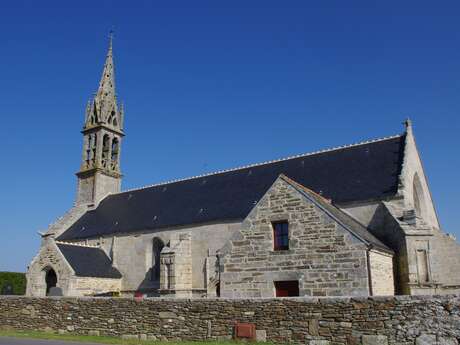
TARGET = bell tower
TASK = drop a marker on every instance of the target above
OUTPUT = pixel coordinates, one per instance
(99, 173)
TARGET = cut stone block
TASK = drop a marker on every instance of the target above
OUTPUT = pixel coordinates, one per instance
(447, 341)
(426, 339)
(375, 340)
(261, 335)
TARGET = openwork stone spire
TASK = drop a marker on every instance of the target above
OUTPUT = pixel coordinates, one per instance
(99, 173)
(104, 109)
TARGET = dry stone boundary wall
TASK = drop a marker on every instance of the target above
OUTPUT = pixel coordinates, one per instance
(404, 320)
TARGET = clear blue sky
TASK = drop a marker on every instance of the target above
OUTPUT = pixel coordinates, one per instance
(217, 84)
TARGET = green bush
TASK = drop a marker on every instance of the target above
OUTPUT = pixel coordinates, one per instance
(17, 280)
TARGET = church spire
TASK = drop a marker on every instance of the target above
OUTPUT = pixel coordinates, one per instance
(99, 173)
(104, 109)
(106, 98)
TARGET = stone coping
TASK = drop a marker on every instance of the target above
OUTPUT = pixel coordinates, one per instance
(323, 300)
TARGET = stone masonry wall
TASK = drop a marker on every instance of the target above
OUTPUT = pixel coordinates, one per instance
(381, 267)
(48, 257)
(90, 285)
(324, 257)
(402, 320)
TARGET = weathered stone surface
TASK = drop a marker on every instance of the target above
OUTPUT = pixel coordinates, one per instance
(94, 333)
(426, 339)
(313, 327)
(319, 342)
(167, 315)
(447, 341)
(316, 242)
(261, 335)
(405, 320)
(375, 340)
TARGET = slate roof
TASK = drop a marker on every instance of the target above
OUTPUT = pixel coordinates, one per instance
(88, 261)
(343, 218)
(357, 172)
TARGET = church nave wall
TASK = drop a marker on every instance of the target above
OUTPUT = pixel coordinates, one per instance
(134, 255)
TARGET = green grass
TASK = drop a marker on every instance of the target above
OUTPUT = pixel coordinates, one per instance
(102, 339)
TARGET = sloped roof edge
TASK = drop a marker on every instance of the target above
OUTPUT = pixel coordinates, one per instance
(355, 228)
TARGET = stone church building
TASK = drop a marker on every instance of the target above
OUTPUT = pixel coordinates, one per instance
(355, 220)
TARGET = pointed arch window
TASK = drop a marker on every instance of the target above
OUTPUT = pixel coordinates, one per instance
(91, 150)
(105, 149)
(93, 118)
(89, 140)
(157, 246)
(113, 119)
(114, 153)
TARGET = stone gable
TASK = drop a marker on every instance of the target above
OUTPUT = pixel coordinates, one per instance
(323, 256)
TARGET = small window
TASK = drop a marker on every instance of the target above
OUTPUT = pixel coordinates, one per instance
(280, 235)
(288, 288)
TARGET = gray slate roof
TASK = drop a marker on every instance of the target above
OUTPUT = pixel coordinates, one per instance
(88, 261)
(354, 173)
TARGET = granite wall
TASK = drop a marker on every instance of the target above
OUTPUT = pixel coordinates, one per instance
(404, 320)
(323, 256)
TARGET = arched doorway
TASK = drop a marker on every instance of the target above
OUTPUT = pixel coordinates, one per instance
(157, 246)
(50, 279)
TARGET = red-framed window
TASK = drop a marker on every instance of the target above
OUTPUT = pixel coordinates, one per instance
(287, 288)
(280, 235)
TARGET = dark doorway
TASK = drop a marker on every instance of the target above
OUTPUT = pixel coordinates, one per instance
(289, 288)
(218, 289)
(157, 246)
(51, 280)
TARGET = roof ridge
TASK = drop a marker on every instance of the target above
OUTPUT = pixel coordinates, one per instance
(78, 244)
(312, 153)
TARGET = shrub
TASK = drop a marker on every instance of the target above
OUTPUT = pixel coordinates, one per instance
(17, 281)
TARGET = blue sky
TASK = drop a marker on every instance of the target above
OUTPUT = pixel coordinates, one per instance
(210, 85)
